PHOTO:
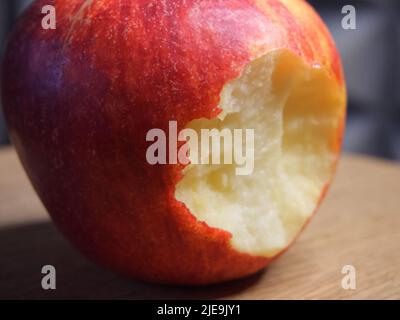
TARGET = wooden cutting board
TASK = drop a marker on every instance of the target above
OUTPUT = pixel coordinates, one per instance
(358, 224)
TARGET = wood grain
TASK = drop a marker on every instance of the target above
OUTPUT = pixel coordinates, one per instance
(358, 224)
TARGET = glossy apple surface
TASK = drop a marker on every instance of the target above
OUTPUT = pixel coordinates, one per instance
(80, 99)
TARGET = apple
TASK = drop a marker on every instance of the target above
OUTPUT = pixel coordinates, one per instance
(79, 101)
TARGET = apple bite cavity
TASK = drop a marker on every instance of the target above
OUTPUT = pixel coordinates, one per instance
(296, 112)
(81, 100)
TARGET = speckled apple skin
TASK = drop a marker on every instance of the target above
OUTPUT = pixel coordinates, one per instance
(80, 99)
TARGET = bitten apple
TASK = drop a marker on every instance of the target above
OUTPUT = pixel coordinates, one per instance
(80, 99)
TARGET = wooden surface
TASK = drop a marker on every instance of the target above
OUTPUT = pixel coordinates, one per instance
(358, 224)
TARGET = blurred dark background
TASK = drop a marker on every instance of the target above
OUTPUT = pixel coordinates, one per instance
(371, 57)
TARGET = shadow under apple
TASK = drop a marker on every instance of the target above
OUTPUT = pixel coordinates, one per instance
(25, 249)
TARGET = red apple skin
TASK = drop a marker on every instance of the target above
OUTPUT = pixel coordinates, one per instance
(80, 99)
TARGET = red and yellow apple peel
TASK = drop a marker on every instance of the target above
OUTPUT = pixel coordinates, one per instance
(80, 99)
